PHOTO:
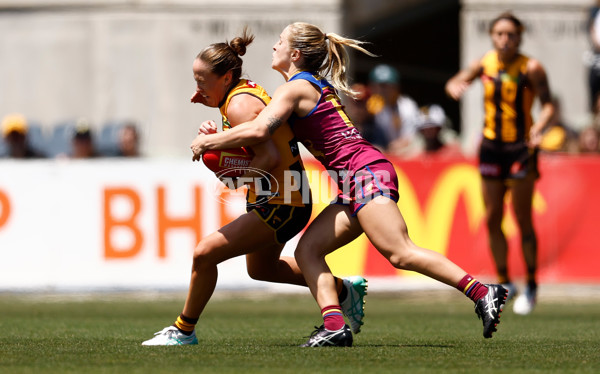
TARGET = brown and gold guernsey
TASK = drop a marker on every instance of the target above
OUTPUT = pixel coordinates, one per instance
(507, 99)
(286, 144)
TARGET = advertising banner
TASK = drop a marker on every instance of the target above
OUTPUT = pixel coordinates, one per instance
(104, 224)
(442, 204)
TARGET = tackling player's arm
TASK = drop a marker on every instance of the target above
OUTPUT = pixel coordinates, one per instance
(245, 108)
(458, 84)
(275, 114)
(539, 81)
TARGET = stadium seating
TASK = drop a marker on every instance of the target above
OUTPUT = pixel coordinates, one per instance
(56, 140)
(3, 149)
(107, 139)
(37, 138)
(59, 141)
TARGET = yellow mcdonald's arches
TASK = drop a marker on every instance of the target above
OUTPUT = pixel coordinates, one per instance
(429, 226)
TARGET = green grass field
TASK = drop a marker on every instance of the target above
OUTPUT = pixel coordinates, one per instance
(439, 333)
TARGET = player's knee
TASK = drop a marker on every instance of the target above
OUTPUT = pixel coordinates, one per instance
(202, 256)
(400, 256)
(258, 273)
(255, 275)
(529, 238)
(310, 251)
(399, 261)
(494, 220)
(302, 254)
(525, 225)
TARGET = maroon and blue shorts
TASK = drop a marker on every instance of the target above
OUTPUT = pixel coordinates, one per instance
(360, 187)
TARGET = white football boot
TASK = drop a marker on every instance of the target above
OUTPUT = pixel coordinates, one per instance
(353, 304)
(525, 302)
(172, 336)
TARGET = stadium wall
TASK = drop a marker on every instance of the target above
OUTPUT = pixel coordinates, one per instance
(120, 224)
(116, 60)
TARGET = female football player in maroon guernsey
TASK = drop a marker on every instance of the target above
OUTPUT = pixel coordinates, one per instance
(272, 217)
(366, 179)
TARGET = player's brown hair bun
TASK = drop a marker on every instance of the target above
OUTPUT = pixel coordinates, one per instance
(239, 44)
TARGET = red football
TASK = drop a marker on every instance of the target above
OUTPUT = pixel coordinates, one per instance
(227, 162)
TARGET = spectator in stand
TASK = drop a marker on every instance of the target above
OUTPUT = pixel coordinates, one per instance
(129, 141)
(363, 120)
(593, 60)
(434, 137)
(82, 143)
(589, 140)
(14, 132)
(596, 112)
(395, 114)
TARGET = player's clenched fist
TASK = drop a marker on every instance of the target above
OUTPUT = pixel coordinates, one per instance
(207, 127)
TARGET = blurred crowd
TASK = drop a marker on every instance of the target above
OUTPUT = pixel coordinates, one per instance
(392, 120)
(382, 112)
(395, 123)
(76, 139)
(385, 115)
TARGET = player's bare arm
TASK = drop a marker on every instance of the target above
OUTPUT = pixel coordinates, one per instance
(243, 135)
(273, 124)
(296, 96)
(539, 81)
(245, 108)
(458, 84)
(280, 108)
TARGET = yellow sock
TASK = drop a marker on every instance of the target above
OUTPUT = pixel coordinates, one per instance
(185, 324)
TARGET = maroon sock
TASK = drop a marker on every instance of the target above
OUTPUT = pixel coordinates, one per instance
(472, 288)
(332, 317)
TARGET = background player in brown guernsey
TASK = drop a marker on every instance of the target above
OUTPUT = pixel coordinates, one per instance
(508, 151)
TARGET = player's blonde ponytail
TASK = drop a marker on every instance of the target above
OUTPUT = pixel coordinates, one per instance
(325, 53)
